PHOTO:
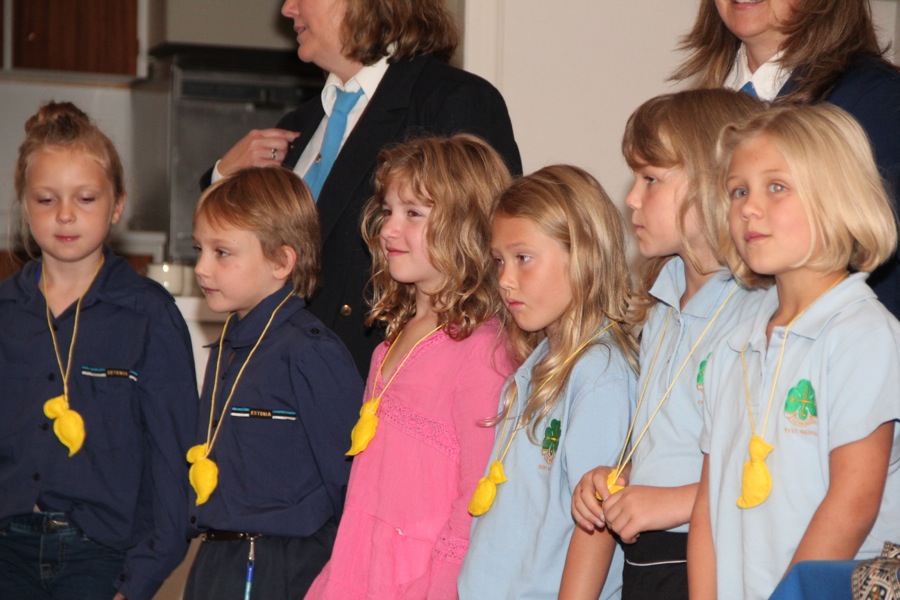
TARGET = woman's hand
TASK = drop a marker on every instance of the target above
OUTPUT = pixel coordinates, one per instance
(259, 148)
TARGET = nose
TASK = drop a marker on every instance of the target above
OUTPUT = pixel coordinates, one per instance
(200, 269)
(505, 278)
(389, 227)
(289, 9)
(633, 200)
(65, 214)
(750, 207)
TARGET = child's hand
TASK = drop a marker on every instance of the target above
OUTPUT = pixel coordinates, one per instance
(586, 508)
(640, 508)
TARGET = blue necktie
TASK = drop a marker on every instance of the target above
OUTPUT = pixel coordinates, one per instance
(331, 143)
(749, 89)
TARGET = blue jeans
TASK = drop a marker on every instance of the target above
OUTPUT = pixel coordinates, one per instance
(44, 556)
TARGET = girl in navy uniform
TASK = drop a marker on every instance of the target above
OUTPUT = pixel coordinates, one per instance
(98, 385)
(280, 396)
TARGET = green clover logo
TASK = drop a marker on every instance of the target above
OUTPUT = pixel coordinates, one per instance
(800, 406)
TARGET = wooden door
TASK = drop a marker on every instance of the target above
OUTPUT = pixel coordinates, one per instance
(94, 36)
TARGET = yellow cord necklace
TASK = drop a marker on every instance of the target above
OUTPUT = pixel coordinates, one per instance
(365, 427)
(204, 473)
(486, 490)
(623, 460)
(756, 480)
(67, 424)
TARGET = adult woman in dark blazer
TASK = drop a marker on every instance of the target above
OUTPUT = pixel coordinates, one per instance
(403, 46)
(812, 51)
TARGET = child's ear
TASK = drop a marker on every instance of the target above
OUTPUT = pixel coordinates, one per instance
(118, 209)
(284, 265)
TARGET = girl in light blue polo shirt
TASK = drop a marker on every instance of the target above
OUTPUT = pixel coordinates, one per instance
(801, 400)
(560, 251)
(688, 301)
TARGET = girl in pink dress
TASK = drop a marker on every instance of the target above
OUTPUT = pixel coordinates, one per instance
(418, 445)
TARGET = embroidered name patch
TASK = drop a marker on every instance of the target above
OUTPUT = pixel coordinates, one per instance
(263, 413)
(109, 373)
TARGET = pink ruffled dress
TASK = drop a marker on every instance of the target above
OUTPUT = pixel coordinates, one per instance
(405, 527)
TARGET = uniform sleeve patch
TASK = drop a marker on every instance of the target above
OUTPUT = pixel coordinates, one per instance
(109, 373)
(263, 413)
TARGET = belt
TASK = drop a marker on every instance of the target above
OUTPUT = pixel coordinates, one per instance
(217, 535)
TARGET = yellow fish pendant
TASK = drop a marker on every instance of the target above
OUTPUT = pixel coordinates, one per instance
(756, 481)
(364, 430)
(611, 484)
(67, 424)
(204, 473)
(486, 490)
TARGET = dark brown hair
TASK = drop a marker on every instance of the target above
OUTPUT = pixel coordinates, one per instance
(401, 29)
(822, 39)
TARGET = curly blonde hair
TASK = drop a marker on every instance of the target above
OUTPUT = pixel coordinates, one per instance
(458, 177)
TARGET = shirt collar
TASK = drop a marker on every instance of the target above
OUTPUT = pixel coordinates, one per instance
(813, 322)
(366, 79)
(670, 285)
(245, 331)
(768, 79)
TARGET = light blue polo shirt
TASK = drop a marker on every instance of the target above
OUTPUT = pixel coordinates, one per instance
(840, 380)
(669, 453)
(517, 550)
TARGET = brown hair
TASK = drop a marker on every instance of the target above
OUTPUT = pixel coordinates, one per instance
(458, 177)
(681, 130)
(400, 29)
(276, 206)
(850, 216)
(822, 39)
(570, 206)
(65, 125)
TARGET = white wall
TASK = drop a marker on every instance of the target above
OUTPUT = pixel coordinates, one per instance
(572, 71)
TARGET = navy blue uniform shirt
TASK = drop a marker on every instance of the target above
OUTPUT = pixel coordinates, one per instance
(133, 383)
(280, 450)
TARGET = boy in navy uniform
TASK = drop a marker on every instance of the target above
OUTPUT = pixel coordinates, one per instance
(279, 399)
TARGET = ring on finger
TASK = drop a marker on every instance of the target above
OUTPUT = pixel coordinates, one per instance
(274, 154)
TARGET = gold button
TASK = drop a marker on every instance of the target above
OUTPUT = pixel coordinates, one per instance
(346, 310)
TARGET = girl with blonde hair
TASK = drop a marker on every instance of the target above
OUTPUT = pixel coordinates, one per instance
(418, 448)
(559, 246)
(800, 438)
(686, 300)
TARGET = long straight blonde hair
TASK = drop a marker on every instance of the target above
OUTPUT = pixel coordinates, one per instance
(570, 206)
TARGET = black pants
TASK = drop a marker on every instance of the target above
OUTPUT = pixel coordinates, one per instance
(284, 567)
(656, 567)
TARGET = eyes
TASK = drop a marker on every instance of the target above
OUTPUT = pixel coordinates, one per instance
(741, 192)
(218, 252)
(410, 213)
(518, 258)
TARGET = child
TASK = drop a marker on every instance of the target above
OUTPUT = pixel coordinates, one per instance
(801, 399)
(559, 247)
(688, 299)
(98, 386)
(419, 448)
(279, 398)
